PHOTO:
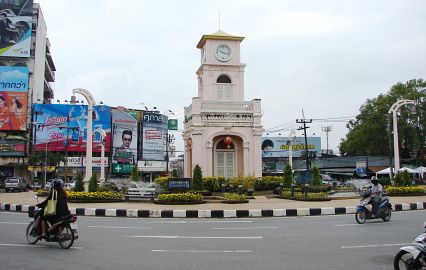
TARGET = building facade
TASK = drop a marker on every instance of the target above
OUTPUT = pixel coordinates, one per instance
(222, 131)
(27, 72)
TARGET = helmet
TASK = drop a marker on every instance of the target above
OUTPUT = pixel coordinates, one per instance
(58, 184)
(374, 180)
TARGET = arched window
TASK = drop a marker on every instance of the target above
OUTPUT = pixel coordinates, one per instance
(224, 88)
(223, 79)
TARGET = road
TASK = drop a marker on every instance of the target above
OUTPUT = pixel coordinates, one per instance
(321, 242)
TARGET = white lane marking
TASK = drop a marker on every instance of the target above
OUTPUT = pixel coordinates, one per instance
(117, 227)
(36, 246)
(381, 245)
(201, 251)
(355, 224)
(244, 228)
(192, 237)
(15, 223)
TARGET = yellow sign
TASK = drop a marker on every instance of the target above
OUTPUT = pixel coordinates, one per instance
(41, 168)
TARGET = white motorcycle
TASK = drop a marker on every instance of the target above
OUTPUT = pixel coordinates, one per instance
(364, 208)
(412, 257)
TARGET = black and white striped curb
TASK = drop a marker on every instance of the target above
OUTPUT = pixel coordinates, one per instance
(101, 212)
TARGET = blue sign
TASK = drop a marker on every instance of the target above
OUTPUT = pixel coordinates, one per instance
(179, 183)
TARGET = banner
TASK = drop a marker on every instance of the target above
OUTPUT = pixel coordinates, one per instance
(279, 147)
(154, 136)
(13, 97)
(16, 19)
(9, 148)
(74, 162)
(125, 141)
(173, 124)
(54, 123)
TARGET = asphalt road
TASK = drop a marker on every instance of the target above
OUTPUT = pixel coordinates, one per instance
(321, 242)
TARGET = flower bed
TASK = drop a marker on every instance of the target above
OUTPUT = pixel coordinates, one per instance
(106, 196)
(405, 191)
(299, 196)
(234, 198)
(179, 198)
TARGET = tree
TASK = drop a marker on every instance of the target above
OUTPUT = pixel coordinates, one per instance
(288, 176)
(174, 173)
(316, 177)
(135, 174)
(93, 183)
(79, 185)
(197, 179)
(369, 132)
(402, 179)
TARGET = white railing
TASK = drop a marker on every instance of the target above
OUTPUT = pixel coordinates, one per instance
(226, 106)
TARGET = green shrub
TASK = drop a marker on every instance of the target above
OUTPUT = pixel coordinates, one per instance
(180, 197)
(162, 182)
(318, 189)
(405, 190)
(93, 183)
(402, 179)
(301, 195)
(214, 183)
(288, 176)
(79, 185)
(135, 174)
(267, 183)
(93, 196)
(316, 177)
(385, 181)
(197, 178)
(246, 182)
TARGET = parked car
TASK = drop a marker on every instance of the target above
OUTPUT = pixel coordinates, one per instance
(15, 183)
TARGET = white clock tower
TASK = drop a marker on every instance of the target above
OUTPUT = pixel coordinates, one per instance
(222, 131)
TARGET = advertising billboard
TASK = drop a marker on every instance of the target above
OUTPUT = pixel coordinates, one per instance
(54, 123)
(125, 140)
(279, 147)
(12, 148)
(154, 136)
(15, 28)
(13, 97)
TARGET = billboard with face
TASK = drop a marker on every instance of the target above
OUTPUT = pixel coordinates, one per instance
(154, 136)
(125, 140)
(15, 27)
(55, 122)
(13, 97)
(279, 147)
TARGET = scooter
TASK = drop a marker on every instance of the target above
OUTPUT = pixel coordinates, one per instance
(63, 230)
(414, 256)
(364, 209)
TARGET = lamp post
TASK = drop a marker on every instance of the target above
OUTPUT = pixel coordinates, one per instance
(45, 166)
(90, 102)
(103, 135)
(290, 149)
(394, 109)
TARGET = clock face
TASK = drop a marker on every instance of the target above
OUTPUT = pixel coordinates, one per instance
(223, 52)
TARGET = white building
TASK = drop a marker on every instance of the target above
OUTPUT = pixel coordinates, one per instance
(222, 132)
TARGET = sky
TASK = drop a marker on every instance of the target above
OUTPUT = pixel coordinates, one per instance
(320, 58)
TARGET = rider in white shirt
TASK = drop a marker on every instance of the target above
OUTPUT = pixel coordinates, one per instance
(376, 194)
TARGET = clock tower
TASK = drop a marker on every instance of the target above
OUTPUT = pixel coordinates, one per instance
(222, 131)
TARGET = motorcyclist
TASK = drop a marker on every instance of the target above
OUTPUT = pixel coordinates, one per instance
(376, 194)
(61, 206)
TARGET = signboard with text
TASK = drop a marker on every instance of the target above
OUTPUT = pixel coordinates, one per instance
(279, 147)
(154, 136)
(179, 184)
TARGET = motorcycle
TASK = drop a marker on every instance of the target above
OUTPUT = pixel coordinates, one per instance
(63, 230)
(364, 208)
(412, 257)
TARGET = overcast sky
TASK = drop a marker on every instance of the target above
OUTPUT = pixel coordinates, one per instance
(325, 57)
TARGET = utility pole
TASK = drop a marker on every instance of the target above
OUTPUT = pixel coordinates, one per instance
(304, 121)
(327, 129)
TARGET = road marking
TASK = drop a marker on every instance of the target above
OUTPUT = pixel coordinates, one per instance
(355, 224)
(35, 246)
(192, 237)
(201, 251)
(116, 227)
(14, 223)
(244, 228)
(381, 245)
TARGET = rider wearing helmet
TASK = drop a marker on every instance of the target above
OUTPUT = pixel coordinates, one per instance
(376, 194)
(61, 205)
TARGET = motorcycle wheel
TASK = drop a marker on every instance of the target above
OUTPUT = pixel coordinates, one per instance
(404, 260)
(387, 214)
(66, 237)
(360, 217)
(31, 234)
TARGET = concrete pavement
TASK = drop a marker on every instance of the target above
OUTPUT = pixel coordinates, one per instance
(259, 207)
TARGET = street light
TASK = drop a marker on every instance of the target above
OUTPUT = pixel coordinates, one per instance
(290, 149)
(103, 135)
(91, 102)
(393, 109)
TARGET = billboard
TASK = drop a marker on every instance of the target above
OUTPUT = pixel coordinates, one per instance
(125, 140)
(54, 123)
(12, 148)
(154, 136)
(279, 147)
(15, 27)
(13, 97)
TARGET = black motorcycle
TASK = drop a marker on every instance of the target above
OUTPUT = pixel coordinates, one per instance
(364, 208)
(62, 230)
(412, 257)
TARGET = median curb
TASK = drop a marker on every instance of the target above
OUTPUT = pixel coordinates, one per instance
(140, 213)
